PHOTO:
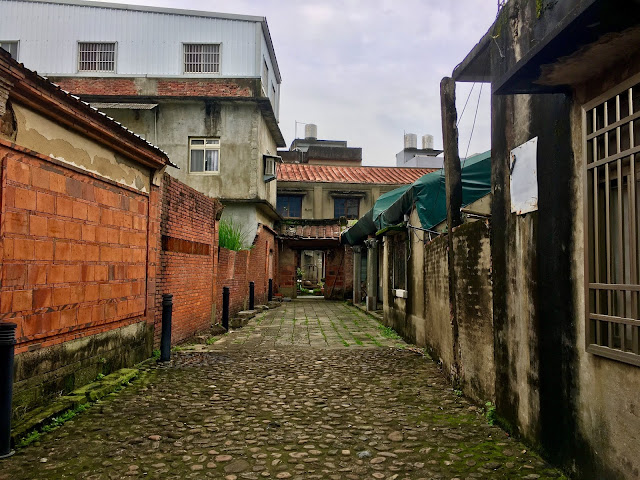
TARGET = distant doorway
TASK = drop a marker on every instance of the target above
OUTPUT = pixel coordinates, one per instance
(312, 265)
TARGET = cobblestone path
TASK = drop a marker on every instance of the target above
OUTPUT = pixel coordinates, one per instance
(285, 397)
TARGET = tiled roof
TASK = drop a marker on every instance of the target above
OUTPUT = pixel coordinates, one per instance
(310, 231)
(302, 172)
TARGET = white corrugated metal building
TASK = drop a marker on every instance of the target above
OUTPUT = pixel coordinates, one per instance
(45, 35)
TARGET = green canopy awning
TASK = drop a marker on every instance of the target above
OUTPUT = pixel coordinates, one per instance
(429, 197)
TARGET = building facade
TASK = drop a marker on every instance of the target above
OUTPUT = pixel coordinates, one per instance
(204, 87)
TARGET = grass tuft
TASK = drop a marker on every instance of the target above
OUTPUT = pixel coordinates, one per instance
(231, 236)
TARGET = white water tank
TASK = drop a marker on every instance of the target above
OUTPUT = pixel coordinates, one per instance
(410, 140)
(311, 131)
(427, 142)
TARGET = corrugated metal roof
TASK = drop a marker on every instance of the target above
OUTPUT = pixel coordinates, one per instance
(298, 172)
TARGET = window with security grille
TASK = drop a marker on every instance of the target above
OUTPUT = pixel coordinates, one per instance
(346, 207)
(611, 125)
(204, 155)
(201, 58)
(96, 57)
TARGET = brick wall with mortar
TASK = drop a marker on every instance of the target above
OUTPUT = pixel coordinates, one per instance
(237, 269)
(76, 267)
(161, 88)
(188, 259)
(339, 273)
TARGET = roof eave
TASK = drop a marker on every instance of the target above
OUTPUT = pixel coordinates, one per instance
(476, 66)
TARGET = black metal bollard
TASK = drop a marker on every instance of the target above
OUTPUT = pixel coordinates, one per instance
(252, 295)
(225, 308)
(270, 297)
(165, 341)
(7, 342)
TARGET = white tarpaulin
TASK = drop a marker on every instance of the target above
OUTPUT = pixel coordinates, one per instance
(524, 177)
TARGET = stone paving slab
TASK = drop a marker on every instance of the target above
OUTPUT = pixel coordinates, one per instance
(283, 401)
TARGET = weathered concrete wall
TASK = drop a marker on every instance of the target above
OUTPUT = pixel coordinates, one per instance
(244, 138)
(49, 138)
(437, 328)
(424, 317)
(474, 307)
(580, 409)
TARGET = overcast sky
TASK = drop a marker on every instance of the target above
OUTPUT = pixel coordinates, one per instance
(367, 71)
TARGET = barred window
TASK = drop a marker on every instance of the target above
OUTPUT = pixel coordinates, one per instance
(611, 127)
(201, 58)
(204, 155)
(96, 57)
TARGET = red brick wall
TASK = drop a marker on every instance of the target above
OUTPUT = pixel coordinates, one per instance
(188, 258)
(237, 269)
(339, 273)
(169, 88)
(73, 248)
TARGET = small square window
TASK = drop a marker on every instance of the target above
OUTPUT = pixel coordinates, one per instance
(201, 58)
(96, 57)
(204, 155)
(11, 47)
(346, 207)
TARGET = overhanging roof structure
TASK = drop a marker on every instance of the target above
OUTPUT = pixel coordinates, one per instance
(428, 196)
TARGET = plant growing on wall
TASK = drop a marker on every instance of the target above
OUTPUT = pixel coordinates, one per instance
(231, 236)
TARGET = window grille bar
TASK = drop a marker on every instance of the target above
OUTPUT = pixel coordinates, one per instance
(619, 123)
(616, 319)
(604, 161)
(615, 286)
(607, 223)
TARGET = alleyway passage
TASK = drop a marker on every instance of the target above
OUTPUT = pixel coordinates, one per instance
(312, 390)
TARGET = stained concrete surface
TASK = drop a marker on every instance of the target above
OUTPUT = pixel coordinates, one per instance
(311, 390)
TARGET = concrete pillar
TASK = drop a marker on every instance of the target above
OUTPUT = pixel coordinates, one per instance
(372, 273)
(357, 268)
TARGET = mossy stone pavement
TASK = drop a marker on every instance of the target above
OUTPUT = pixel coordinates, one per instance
(310, 390)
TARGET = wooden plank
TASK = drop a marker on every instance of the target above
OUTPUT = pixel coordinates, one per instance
(615, 286)
(616, 319)
(625, 357)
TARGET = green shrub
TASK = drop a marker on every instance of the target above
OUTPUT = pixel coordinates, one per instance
(231, 236)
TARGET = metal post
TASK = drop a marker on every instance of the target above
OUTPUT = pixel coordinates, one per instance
(252, 293)
(7, 342)
(165, 341)
(225, 307)
(270, 297)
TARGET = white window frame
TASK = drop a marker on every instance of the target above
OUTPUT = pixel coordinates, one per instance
(217, 67)
(208, 144)
(97, 62)
(17, 44)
